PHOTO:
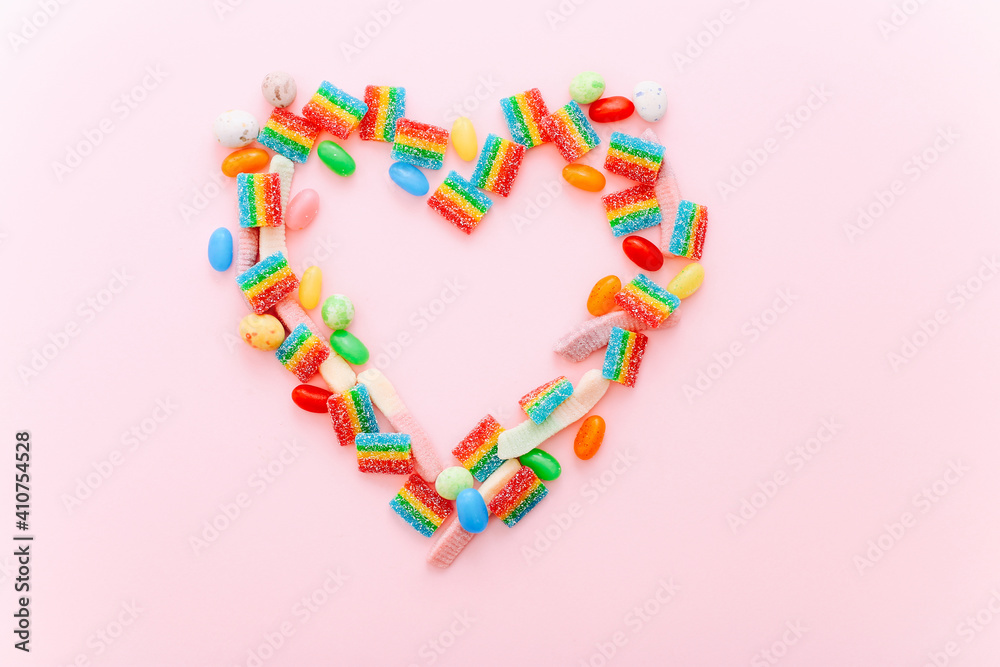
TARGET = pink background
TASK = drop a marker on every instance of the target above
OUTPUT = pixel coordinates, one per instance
(168, 336)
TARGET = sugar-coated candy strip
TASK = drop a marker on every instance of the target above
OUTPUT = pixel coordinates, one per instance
(518, 497)
(478, 450)
(634, 157)
(632, 210)
(386, 105)
(571, 132)
(419, 144)
(267, 282)
(419, 505)
(524, 114)
(668, 194)
(302, 352)
(623, 356)
(644, 300)
(246, 251)
(384, 453)
(690, 225)
(259, 200)
(458, 202)
(352, 414)
(541, 401)
(425, 459)
(273, 239)
(289, 135)
(334, 110)
(592, 335)
(452, 539)
(527, 435)
(498, 164)
(336, 373)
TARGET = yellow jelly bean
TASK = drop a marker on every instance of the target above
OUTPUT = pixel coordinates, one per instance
(245, 161)
(263, 332)
(310, 287)
(463, 138)
(584, 177)
(602, 297)
(687, 281)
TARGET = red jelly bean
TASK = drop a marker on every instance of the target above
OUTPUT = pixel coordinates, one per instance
(310, 397)
(610, 109)
(643, 252)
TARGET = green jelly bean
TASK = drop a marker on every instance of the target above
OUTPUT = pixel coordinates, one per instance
(336, 158)
(349, 347)
(542, 463)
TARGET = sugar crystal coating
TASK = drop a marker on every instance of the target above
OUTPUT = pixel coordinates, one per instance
(420, 506)
(524, 113)
(386, 105)
(623, 356)
(267, 282)
(420, 144)
(571, 132)
(259, 197)
(384, 453)
(289, 135)
(478, 450)
(688, 237)
(518, 496)
(458, 202)
(634, 158)
(539, 403)
(302, 352)
(646, 301)
(632, 210)
(498, 164)
(334, 110)
(352, 413)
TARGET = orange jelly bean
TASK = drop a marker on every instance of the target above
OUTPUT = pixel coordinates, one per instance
(584, 177)
(589, 437)
(245, 161)
(602, 298)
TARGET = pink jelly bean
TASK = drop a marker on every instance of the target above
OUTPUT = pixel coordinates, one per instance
(302, 209)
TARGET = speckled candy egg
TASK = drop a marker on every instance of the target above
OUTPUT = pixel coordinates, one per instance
(586, 87)
(338, 312)
(263, 332)
(650, 100)
(279, 89)
(235, 128)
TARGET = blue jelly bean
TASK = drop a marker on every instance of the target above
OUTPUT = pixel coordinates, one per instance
(472, 512)
(220, 249)
(409, 178)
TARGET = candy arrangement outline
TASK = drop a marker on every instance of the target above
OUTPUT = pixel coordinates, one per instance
(509, 463)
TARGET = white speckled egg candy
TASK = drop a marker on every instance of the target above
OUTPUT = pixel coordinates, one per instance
(235, 128)
(650, 100)
(279, 89)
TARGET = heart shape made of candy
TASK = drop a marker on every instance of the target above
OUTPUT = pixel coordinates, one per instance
(508, 464)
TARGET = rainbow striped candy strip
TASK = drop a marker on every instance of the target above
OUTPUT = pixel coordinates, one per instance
(386, 105)
(633, 209)
(302, 352)
(498, 164)
(352, 413)
(384, 453)
(572, 133)
(420, 506)
(688, 238)
(259, 197)
(458, 202)
(478, 451)
(539, 403)
(518, 496)
(524, 113)
(334, 110)
(289, 135)
(634, 158)
(623, 356)
(420, 144)
(646, 301)
(267, 282)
